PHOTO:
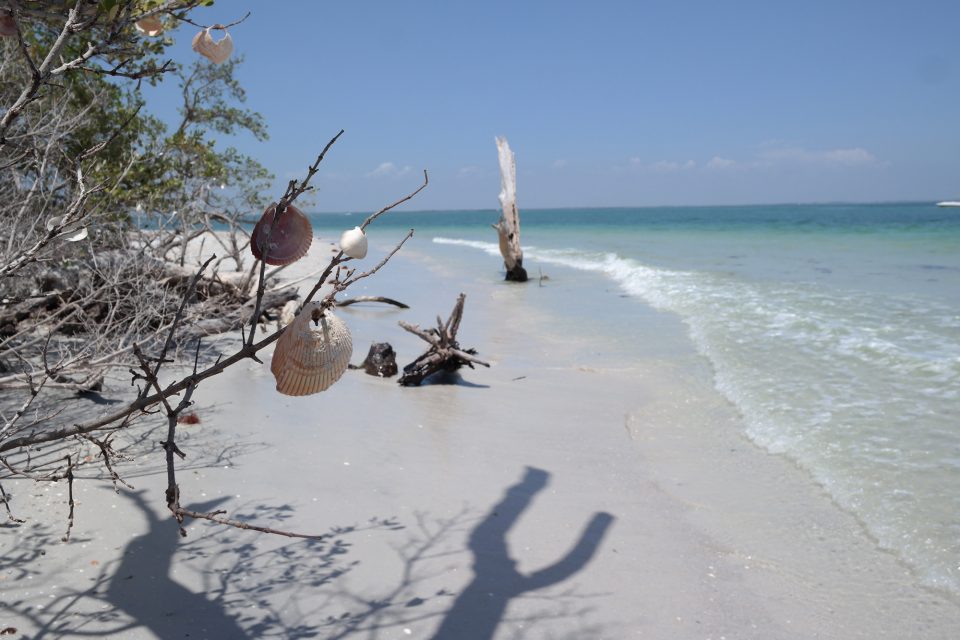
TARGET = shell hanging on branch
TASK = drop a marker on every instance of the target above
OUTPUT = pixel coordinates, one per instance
(8, 26)
(354, 243)
(289, 241)
(312, 353)
(216, 52)
(150, 26)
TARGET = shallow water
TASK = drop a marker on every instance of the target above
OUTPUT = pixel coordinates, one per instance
(834, 330)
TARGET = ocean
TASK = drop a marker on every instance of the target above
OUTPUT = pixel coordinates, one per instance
(833, 329)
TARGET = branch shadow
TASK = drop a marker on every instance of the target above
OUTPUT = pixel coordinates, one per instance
(226, 583)
(430, 559)
(478, 610)
(246, 582)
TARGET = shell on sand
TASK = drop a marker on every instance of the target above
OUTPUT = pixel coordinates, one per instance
(289, 241)
(312, 353)
(216, 52)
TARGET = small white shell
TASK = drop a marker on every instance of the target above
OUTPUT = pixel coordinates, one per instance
(312, 353)
(216, 52)
(149, 26)
(354, 243)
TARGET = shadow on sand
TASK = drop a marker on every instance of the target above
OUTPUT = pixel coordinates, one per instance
(479, 608)
(221, 583)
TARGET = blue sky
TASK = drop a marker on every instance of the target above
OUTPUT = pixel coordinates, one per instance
(605, 103)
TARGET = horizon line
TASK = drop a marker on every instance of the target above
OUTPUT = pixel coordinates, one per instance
(652, 206)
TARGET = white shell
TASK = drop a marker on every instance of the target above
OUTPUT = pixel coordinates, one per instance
(354, 243)
(81, 235)
(311, 354)
(216, 52)
(149, 26)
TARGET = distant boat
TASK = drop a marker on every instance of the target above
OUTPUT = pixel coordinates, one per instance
(948, 203)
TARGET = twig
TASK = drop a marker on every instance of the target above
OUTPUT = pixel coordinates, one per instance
(215, 516)
(339, 258)
(66, 536)
(106, 451)
(223, 27)
(294, 190)
(5, 499)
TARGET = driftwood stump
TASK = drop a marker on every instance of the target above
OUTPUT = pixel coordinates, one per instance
(508, 227)
(444, 353)
(381, 361)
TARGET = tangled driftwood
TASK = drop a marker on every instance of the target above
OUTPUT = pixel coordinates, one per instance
(444, 353)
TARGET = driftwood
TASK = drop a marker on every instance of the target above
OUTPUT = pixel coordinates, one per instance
(349, 301)
(381, 361)
(237, 317)
(444, 353)
(508, 227)
(61, 296)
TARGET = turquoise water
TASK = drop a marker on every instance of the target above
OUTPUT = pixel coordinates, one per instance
(834, 330)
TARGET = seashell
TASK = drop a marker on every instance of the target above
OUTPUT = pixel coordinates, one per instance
(290, 240)
(149, 26)
(8, 26)
(80, 235)
(354, 243)
(312, 353)
(216, 52)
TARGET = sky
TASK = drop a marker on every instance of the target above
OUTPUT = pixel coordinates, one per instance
(604, 102)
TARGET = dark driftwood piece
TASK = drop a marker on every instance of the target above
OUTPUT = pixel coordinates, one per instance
(381, 361)
(444, 353)
(359, 299)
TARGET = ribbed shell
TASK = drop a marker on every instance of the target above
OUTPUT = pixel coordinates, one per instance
(290, 240)
(311, 356)
(216, 52)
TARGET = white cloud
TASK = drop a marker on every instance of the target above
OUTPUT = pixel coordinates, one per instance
(388, 169)
(719, 163)
(672, 165)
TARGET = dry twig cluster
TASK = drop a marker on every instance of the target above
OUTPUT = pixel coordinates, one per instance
(87, 287)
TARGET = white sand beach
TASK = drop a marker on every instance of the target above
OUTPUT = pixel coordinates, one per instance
(579, 488)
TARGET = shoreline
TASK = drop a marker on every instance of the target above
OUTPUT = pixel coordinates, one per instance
(602, 489)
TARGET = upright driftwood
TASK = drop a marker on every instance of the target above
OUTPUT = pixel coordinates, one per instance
(444, 353)
(508, 227)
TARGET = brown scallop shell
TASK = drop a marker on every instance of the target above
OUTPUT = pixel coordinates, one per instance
(8, 26)
(312, 353)
(290, 240)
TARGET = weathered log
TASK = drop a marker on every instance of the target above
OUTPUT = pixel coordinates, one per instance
(349, 301)
(238, 317)
(508, 227)
(444, 353)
